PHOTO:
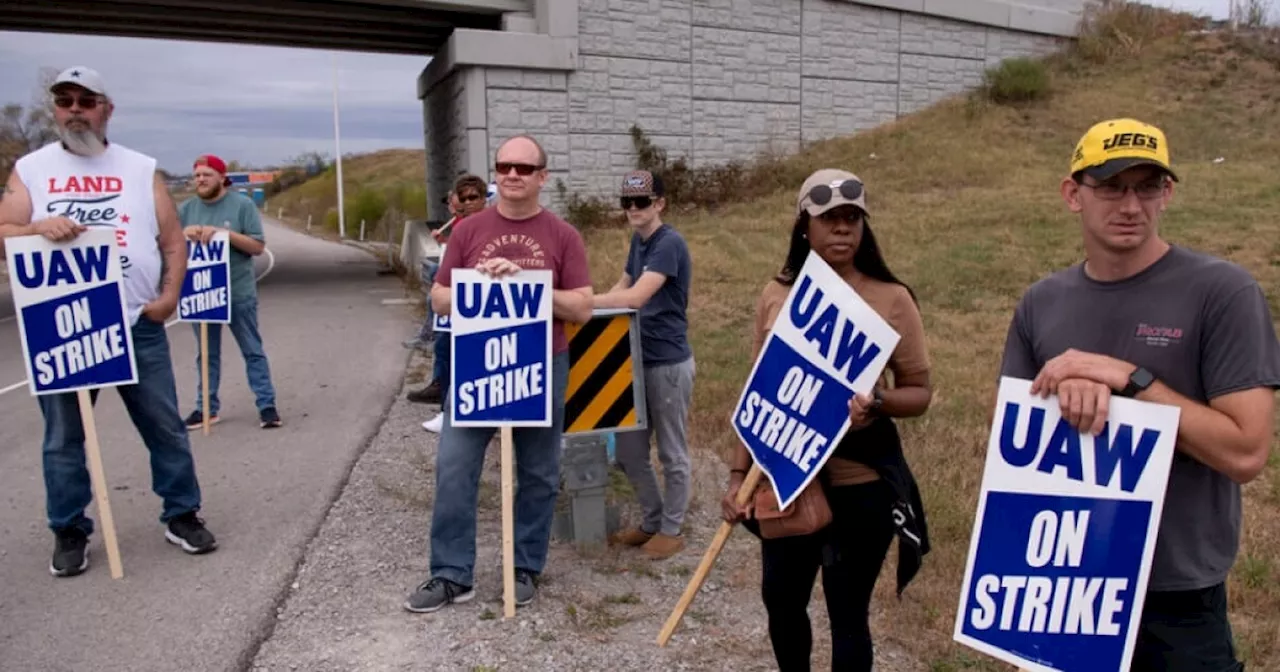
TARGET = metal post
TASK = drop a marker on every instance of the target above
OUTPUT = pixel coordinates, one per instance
(362, 230)
(337, 149)
(584, 470)
(308, 222)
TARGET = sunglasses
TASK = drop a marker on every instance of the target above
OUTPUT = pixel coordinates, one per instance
(469, 197)
(640, 202)
(851, 190)
(66, 100)
(522, 169)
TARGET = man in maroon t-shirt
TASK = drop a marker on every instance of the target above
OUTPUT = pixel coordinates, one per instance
(516, 234)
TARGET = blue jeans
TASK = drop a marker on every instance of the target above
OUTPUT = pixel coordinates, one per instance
(440, 364)
(244, 327)
(427, 274)
(537, 470)
(152, 404)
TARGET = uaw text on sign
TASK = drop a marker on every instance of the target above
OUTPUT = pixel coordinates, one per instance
(206, 288)
(1065, 531)
(826, 345)
(501, 354)
(70, 305)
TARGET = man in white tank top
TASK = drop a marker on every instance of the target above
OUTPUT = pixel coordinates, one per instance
(59, 191)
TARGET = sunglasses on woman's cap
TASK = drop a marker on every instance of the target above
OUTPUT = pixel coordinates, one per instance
(829, 188)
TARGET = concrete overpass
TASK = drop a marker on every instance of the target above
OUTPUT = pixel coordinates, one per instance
(710, 80)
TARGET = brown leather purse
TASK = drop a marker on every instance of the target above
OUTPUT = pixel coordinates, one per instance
(809, 513)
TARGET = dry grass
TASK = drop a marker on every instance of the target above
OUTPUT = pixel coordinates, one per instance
(396, 177)
(964, 200)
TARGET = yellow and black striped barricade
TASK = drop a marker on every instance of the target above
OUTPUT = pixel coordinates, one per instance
(606, 379)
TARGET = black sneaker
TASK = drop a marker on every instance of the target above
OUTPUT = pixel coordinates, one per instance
(431, 394)
(526, 587)
(196, 419)
(189, 532)
(268, 418)
(70, 552)
(435, 593)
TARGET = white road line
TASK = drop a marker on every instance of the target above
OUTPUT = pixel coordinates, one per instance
(271, 263)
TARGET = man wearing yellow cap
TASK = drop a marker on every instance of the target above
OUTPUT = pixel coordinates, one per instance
(1143, 318)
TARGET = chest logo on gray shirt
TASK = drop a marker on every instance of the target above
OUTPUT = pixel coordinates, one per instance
(1161, 337)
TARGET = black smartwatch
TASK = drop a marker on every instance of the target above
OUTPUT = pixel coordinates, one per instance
(1139, 380)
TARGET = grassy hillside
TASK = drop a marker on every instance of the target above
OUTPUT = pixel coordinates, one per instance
(965, 202)
(390, 182)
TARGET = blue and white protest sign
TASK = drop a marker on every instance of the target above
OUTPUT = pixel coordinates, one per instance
(1065, 531)
(501, 355)
(440, 322)
(70, 305)
(206, 289)
(826, 344)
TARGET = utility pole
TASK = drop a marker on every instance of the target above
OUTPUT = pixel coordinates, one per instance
(337, 148)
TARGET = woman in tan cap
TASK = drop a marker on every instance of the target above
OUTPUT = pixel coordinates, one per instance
(867, 484)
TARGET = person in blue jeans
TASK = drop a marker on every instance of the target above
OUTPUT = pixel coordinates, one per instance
(215, 208)
(515, 234)
(466, 199)
(152, 283)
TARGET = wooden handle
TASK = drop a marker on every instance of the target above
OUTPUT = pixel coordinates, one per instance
(745, 491)
(98, 478)
(508, 526)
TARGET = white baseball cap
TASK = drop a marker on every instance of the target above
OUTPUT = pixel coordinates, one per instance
(81, 76)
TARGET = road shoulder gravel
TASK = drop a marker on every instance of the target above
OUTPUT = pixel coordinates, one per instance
(596, 609)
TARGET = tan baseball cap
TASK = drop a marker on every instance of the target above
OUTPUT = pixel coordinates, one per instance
(831, 188)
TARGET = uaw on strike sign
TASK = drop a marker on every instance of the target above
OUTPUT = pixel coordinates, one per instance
(206, 289)
(1065, 531)
(71, 312)
(825, 345)
(501, 356)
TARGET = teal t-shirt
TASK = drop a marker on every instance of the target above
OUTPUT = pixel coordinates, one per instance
(234, 212)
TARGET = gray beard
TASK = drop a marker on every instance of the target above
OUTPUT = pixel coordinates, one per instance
(82, 143)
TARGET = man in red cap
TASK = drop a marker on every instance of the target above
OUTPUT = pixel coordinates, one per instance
(215, 208)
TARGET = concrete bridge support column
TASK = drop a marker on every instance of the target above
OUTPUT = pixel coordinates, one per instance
(486, 86)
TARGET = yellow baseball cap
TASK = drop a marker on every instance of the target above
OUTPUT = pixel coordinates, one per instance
(1112, 146)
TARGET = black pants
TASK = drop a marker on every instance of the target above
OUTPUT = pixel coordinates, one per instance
(859, 536)
(1185, 631)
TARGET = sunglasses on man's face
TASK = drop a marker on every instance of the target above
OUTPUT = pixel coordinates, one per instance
(66, 100)
(640, 202)
(467, 198)
(522, 169)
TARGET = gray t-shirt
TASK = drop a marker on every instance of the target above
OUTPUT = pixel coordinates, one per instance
(664, 322)
(1202, 326)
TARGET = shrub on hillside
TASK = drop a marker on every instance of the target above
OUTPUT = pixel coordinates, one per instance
(1017, 80)
(368, 205)
(587, 213)
(1121, 29)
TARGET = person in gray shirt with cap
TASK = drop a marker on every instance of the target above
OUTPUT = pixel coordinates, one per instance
(656, 284)
(1145, 319)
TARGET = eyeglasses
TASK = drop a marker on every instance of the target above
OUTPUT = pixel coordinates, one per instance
(821, 194)
(469, 197)
(640, 202)
(522, 169)
(1145, 191)
(66, 100)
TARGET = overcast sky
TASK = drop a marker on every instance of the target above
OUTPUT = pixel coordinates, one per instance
(258, 105)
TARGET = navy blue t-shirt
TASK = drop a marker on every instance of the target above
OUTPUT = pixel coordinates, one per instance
(664, 323)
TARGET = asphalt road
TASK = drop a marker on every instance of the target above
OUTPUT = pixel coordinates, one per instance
(337, 363)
